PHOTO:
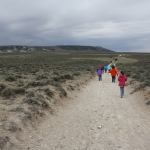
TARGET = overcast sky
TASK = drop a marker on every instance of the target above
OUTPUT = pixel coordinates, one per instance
(119, 25)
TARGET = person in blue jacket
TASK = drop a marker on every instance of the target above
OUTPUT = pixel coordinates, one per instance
(105, 68)
(99, 73)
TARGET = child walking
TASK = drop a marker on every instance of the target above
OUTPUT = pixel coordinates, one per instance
(122, 79)
(113, 72)
(99, 73)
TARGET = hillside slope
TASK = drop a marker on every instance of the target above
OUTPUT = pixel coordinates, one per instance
(21, 48)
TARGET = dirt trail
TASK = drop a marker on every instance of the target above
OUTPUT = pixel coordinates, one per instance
(96, 119)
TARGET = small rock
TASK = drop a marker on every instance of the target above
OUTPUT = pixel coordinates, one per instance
(99, 127)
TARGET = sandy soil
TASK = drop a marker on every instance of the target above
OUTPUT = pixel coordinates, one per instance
(95, 118)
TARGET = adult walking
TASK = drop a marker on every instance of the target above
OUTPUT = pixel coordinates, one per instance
(122, 79)
(99, 73)
(113, 72)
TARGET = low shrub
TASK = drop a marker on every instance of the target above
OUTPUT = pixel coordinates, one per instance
(38, 83)
(56, 84)
(30, 94)
(38, 100)
(10, 78)
(71, 87)
(8, 92)
(48, 92)
(2, 87)
(19, 90)
(62, 92)
(68, 76)
(18, 109)
(56, 78)
(40, 77)
(20, 83)
(76, 74)
(33, 109)
(56, 73)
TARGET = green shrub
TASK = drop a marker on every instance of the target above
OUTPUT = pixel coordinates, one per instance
(20, 83)
(71, 87)
(19, 90)
(48, 92)
(18, 76)
(38, 100)
(31, 100)
(56, 84)
(76, 74)
(33, 109)
(30, 94)
(18, 109)
(2, 87)
(62, 92)
(56, 73)
(88, 69)
(38, 83)
(56, 78)
(7, 93)
(10, 78)
(68, 76)
(40, 77)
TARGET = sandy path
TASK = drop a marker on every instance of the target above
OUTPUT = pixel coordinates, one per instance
(96, 119)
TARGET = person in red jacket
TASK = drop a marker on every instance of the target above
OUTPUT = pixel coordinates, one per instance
(122, 79)
(113, 72)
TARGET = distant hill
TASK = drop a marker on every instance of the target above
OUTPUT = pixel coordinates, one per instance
(20, 48)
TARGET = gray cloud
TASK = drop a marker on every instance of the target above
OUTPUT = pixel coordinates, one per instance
(118, 25)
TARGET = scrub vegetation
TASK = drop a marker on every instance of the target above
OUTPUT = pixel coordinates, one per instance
(138, 70)
(32, 83)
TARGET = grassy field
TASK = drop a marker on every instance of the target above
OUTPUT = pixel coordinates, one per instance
(30, 83)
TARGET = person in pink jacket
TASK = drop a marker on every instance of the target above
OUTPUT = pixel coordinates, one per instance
(122, 79)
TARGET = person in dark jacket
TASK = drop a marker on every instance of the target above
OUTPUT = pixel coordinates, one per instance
(122, 79)
(99, 73)
(102, 68)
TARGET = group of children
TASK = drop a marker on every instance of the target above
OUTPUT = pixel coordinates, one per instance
(111, 69)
